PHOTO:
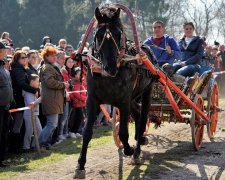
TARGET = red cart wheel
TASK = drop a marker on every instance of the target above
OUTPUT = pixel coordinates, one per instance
(213, 103)
(116, 127)
(197, 125)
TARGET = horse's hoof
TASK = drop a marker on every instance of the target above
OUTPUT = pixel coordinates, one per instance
(144, 141)
(129, 151)
(135, 161)
(79, 174)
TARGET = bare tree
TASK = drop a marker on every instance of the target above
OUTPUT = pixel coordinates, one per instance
(203, 14)
(207, 15)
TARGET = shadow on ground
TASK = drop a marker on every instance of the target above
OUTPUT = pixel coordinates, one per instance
(156, 165)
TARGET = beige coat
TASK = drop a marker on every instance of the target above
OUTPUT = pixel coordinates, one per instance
(52, 90)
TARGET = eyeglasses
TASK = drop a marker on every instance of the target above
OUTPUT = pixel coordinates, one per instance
(23, 57)
(157, 27)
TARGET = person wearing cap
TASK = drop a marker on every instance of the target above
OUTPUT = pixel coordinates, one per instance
(6, 94)
(46, 39)
(9, 50)
(7, 61)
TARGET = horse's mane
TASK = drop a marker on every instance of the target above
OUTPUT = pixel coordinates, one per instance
(109, 15)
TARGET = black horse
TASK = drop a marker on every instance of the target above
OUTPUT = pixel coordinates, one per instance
(120, 85)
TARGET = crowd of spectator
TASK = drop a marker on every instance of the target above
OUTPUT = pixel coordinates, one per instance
(48, 81)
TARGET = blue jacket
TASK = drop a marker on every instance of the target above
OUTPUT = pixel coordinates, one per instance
(161, 55)
(193, 53)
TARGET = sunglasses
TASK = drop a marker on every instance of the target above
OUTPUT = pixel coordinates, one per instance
(23, 57)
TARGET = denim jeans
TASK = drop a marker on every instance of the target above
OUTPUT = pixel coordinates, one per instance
(188, 70)
(63, 118)
(46, 134)
(29, 130)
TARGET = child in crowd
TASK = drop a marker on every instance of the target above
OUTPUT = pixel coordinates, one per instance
(78, 101)
(33, 101)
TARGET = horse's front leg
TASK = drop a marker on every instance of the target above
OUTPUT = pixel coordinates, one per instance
(92, 106)
(123, 130)
(142, 123)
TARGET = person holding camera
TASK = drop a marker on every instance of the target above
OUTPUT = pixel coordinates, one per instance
(52, 93)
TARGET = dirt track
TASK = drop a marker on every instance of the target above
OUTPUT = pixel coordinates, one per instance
(169, 155)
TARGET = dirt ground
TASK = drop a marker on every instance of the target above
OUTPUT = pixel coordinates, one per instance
(169, 155)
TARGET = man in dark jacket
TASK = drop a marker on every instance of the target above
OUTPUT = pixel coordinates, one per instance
(6, 94)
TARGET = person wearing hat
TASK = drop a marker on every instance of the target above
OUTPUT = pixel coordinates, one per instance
(6, 92)
(7, 61)
(45, 40)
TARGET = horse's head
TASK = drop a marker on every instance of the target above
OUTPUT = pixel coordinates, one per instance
(108, 38)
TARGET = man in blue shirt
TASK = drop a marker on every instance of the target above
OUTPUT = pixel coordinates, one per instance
(164, 47)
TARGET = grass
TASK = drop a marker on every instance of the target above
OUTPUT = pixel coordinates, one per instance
(31, 161)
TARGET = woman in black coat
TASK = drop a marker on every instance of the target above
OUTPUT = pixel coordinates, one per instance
(19, 76)
(191, 52)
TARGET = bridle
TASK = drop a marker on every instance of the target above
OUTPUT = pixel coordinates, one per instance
(94, 60)
(108, 35)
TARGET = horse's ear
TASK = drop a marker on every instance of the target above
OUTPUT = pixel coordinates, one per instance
(117, 14)
(98, 15)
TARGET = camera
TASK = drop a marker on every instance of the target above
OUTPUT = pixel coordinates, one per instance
(71, 86)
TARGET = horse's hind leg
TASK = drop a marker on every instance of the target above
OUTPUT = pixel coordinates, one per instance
(92, 106)
(123, 130)
(135, 113)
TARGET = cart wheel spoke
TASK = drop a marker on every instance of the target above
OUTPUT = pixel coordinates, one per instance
(197, 127)
(116, 127)
(213, 103)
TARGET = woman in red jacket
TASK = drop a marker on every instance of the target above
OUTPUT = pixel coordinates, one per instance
(78, 101)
